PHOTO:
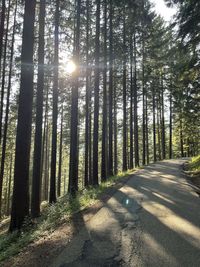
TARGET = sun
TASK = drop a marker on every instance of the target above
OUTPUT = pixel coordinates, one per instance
(70, 67)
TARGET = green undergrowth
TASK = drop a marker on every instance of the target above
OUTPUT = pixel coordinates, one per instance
(53, 216)
(194, 164)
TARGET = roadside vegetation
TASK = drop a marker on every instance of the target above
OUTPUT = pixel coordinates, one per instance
(194, 165)
(192, 170)
(52, 217)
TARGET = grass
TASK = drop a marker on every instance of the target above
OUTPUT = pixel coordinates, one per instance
(194, 164)
(53, 216)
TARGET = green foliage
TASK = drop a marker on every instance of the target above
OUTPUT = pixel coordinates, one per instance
(194, 165)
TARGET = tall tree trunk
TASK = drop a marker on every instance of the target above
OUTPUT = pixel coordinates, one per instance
(158, 129)
(110, 132)
(96, 96)
(188, 147)
(4, 71)
(46, 147)
(60, 155)
(73, 169)
(3, 156)
(154, 124)
(46, 165)
(124, 167)
(3, 11)
(52, 193)
(37, 157)
(20, 201)
(170, 125)
(87, 115)
(181, 137)
(135, 95)
(143, 106)
(104, 126)
(90, 180)
(131, 102)
(163, 120)
(115, 132)
(9, 186)
(147, 129)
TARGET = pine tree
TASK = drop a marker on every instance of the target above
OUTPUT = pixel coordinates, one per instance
(20, 200)
(37, 158)
(52, 193)
(96, 96)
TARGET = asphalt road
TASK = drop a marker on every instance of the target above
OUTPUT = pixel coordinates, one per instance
(153, 220)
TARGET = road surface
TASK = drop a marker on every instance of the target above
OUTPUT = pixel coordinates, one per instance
(153, 220)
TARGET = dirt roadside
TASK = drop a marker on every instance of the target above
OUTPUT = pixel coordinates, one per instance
(41, 252)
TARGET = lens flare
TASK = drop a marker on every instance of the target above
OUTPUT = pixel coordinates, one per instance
(70, 67)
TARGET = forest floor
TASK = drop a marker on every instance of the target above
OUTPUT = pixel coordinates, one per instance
(41, 251)
(192, 171)
(151, 218)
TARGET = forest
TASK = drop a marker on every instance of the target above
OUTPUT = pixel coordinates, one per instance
(91, 88)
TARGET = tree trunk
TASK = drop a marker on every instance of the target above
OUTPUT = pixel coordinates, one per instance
(147, 130)
(60, 156)
(4, 70)
(124, 167)
(163, 120)
(181, 138)
(104, 127)
(3, 156)
(3, 11)
(115, 132)
(46, 165)
(37, 157)
(9, 186)
(170, 126)
(158, 129)
(73, 169)
(20, 201)
(90, 137)
(110, 132)
(46, 146)
(135, 95)
(87, 115)
(96, 96)
(52, 193)
(143, 107)
(154, 124)
(131, 102)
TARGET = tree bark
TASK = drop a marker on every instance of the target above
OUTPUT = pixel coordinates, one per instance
(20, 200)
(154, 124)
(135, 95)
(3, 156)
(60, 156)
(104, 124)
(73, 171)
(163, 120)
(3, 10)
(52, 193)
(170, 126)
(110, 130)
(87, 115)
(143, 107)
(131, 102)
(37, 157)
(96, 96)
(115, 132)
(124, 167)
(3, 82)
